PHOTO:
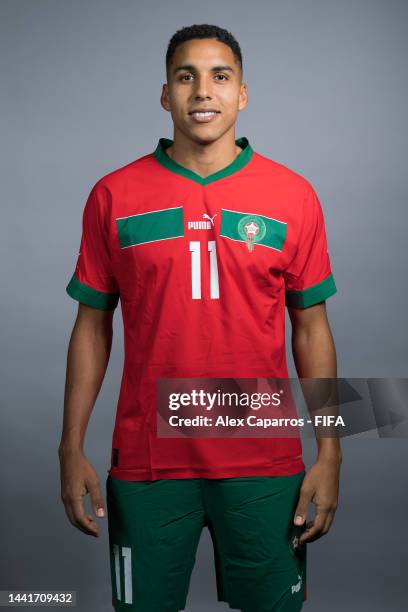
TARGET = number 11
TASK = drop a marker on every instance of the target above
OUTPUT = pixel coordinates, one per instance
(195, 248)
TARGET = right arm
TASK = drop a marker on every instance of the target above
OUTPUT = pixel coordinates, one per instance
(87, 361)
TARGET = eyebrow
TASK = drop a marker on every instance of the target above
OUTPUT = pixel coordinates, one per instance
(213, 69)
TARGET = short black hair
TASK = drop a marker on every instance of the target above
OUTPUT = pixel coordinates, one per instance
(203, 30)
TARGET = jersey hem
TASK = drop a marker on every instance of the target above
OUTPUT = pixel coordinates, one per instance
(233, 472)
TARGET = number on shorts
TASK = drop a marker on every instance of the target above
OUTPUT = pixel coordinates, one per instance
(127, 568)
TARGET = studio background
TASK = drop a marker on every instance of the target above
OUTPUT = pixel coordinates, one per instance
(81, 83)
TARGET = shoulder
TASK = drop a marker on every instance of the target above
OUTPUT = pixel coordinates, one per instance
(283, 175)
(118, 179)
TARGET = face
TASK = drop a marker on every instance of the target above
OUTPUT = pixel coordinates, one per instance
(203, 75)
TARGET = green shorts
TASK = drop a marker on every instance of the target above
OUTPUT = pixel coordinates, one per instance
(154, 530)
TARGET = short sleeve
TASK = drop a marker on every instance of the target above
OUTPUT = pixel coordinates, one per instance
(309, 278)
(93, 282)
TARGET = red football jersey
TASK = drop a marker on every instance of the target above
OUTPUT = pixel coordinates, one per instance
(203, 268)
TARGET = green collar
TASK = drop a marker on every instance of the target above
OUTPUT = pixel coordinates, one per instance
(239, 162)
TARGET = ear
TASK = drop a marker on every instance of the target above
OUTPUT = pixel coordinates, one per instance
(243, 97)
(164, 98)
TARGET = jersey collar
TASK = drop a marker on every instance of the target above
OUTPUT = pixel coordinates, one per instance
(239, 162)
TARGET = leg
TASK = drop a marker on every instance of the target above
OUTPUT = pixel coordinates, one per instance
(251, 524)
(154, 530)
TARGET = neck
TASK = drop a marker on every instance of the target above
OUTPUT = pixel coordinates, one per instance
(203, 158)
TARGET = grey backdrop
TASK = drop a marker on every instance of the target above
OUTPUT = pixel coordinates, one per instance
(81, 81)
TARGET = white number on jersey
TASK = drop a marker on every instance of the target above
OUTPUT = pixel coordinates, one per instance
(195, 248)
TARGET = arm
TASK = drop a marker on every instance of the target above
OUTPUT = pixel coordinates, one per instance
(87, 360)
(315, 357)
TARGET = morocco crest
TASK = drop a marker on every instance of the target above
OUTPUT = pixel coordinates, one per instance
(252, 229)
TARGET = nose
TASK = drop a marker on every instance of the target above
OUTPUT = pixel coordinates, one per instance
(203, 87)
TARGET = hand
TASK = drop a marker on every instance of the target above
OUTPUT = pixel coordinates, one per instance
(320, 486)
(78, 477)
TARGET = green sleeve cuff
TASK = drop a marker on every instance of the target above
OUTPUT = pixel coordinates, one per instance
(90, 296)
(312, 295)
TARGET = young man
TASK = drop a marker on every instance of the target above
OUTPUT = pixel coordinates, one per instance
(204, 241)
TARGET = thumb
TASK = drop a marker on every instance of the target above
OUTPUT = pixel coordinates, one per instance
(96, 500)
(301, 509)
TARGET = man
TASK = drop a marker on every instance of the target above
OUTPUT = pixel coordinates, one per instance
(204, 241)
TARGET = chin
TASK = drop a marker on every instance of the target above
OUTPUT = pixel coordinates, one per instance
(205, 135)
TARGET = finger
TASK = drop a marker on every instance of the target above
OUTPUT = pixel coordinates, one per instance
(304, 538)
(96, 498)
(328, 523)
(302, 507)
(81, 520)
(85, 526)
(75, 523)
(86, 531)
(314, 529)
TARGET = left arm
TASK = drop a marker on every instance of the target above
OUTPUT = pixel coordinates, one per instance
(314, 355)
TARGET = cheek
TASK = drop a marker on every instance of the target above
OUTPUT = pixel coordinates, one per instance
(230, 102)
(178, 113)
(178, 101)
(230, 112)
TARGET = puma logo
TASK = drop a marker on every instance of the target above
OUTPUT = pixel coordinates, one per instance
(296, 587)
(200, 225)
(205, 216)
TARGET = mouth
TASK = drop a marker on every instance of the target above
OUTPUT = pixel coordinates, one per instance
(204, 116)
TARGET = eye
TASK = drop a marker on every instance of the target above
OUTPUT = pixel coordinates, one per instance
(219, 74)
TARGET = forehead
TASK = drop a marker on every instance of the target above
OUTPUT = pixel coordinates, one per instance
(203, 53)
